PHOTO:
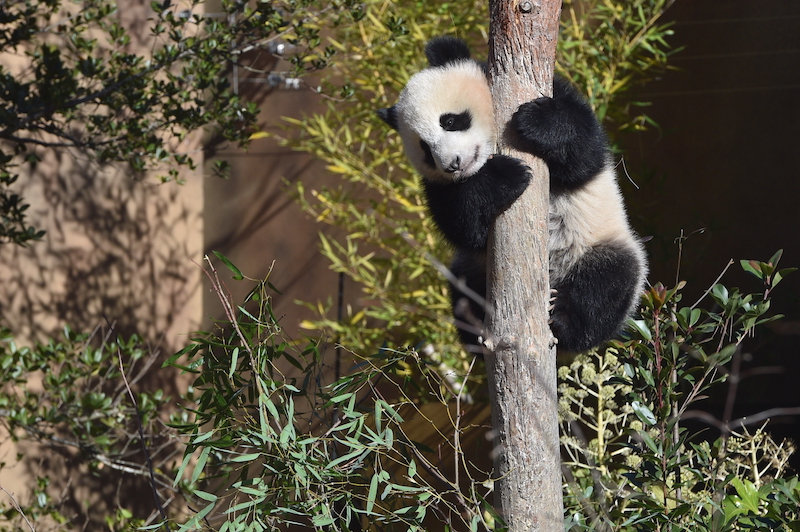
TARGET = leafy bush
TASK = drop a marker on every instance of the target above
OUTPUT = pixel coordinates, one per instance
(90, 83)
(632, 465)
(271, 438)
(265, 450)
(72, 398)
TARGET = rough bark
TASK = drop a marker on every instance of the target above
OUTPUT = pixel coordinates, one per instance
(521, 362)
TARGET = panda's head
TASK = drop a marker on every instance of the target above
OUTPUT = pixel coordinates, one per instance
(444, 114)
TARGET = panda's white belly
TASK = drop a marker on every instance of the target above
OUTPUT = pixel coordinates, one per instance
(584, 218)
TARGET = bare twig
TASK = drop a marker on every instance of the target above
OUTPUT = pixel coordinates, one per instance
(708, 290)
(734, 378)
(742, 421)
(142, 439)
(458, 452)
(766, 414)
(18, 508)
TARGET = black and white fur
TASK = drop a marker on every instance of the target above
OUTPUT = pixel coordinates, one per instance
(597, 264)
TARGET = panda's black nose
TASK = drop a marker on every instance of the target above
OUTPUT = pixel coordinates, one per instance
(454, 165)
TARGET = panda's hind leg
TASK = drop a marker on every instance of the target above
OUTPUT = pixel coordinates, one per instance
(468, 300)
(594, 299)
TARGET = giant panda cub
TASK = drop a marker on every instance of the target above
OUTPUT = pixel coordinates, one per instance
(597, 264)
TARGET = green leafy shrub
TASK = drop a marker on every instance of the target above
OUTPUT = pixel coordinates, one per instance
(75, 77)
(265, 450)
(632, 465)
(71, 398)
(272, 438)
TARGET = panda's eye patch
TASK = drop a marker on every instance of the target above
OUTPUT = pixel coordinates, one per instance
(455, 122)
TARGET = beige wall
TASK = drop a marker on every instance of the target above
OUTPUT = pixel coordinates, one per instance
(118, 251)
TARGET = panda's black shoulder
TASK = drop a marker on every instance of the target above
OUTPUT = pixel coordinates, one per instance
(443, 50)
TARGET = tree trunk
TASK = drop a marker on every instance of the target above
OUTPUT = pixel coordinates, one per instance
(522, 362)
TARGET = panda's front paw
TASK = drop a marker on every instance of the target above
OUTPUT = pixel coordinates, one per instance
(532, 116)
(511, 170)
(540, 126)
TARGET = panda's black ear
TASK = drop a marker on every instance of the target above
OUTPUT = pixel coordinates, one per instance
(389, 115)
(443, 50)
(563, 88)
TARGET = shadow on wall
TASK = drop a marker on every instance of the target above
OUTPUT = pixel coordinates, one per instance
(118, 252)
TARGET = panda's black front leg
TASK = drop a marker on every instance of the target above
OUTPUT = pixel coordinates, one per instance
(564, 131)
(465, 211)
